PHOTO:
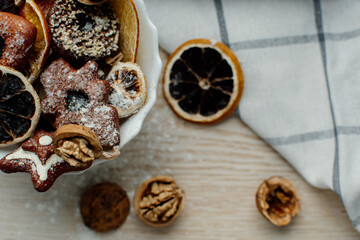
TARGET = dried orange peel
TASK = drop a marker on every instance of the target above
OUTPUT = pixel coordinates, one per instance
(203, 81)
(129, 29)
(41, 49)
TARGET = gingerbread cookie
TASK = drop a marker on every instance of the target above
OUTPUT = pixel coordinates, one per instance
(104, 207)
(17, 36)
(80, 97)
(36, 156)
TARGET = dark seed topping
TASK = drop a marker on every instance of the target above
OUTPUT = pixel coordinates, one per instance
(84, 32)
(76, 99)
(84, 21)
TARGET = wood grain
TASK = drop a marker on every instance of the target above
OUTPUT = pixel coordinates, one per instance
(219, 167)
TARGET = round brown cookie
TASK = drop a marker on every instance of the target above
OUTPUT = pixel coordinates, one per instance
(17, 36)
(104, 207)
(82, 33)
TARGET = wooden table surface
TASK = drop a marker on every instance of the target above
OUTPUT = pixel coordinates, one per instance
(219, 167)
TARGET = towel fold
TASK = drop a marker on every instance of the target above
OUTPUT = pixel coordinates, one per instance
(301, 61)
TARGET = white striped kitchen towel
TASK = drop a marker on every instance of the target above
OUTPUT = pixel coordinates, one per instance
(301, 61)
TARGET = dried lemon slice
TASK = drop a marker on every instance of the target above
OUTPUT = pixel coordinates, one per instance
(19, 107)
(41, 48)
(129, 29)
(203, 81)
(128, 88)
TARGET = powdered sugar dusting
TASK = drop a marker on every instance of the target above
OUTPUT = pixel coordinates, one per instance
(120, 98)
(143, 157)
(95, 37)
(101, 118)
(128, 88)
(19, 36)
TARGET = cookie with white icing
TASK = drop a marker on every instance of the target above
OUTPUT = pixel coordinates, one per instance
(36, 156)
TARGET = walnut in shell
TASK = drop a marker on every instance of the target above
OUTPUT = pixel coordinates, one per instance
(76, 144)
(159, 201)
(277, 200)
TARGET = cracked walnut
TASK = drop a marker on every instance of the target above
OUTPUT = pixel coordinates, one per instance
(159, 201)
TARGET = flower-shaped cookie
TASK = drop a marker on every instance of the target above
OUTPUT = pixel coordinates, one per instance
(36, 156)
(80, 97)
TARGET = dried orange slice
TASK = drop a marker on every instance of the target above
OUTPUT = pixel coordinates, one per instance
(45, 6)
(41, 48)
(19, 107)
(128, 88)
(203, 81)
(129, 28)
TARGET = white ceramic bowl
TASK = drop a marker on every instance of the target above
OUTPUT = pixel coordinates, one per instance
(149, 60)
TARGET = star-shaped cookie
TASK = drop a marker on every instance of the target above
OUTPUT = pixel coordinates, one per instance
(79, 96)
(36, 156)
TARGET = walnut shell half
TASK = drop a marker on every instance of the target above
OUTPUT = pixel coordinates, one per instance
(76, 144)
(277, 200)
(159, 201)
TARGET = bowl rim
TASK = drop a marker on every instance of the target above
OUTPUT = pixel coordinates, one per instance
(133, 124)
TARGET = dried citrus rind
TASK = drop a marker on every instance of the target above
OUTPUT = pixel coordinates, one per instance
(128, 88)
(19, 107)
(129, 28)
(41, 48)
(203, 81)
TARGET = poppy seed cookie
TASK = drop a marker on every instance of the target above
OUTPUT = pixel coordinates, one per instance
(82, 33)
